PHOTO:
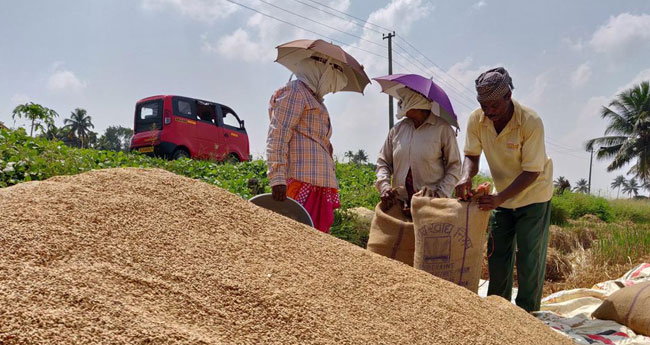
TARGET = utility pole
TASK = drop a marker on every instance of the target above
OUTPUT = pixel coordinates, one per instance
(390, 36)
(590, 162)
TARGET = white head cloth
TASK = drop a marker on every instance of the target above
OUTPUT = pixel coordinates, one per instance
(411, 100)
(321, 77)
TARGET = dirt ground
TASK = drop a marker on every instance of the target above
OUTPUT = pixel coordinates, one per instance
(134, 256)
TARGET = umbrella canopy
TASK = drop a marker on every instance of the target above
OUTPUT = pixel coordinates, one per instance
(441, 106)
(291, 53)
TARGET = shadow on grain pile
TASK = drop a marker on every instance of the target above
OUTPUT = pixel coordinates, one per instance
(135, 256)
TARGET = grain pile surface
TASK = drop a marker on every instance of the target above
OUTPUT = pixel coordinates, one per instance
(136, 256)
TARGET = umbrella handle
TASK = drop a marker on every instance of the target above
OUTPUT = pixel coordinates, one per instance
(291, 76)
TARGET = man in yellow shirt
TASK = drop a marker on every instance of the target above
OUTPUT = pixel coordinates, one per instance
(512, 138)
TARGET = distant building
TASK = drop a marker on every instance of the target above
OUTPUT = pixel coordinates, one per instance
(2, 125)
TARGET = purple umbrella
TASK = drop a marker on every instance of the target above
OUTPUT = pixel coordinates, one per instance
(441, 106)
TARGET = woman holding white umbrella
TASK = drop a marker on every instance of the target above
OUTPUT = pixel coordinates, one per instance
(421, 150)
(299, 152)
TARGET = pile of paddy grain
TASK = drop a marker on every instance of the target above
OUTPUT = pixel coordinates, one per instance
(135, 256)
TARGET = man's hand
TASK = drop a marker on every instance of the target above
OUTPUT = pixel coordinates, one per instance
(279, 192)
(464, 189)
(489, 202)
(388, 198)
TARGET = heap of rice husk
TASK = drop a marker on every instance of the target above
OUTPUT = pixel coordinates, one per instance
(135, 256)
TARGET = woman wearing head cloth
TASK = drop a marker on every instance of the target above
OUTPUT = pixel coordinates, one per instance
(420, 151)
(299, 152)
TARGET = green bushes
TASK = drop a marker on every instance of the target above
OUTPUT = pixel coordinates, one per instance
(559, 215)
(348, 227)
(356, 185)
(23, 158)
(576, 205)
(637, 211)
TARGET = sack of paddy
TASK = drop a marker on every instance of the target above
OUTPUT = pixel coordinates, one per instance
(450, 238)
(391, 235)
(629, 306)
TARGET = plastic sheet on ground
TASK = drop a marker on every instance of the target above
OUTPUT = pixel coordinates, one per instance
(569, 311)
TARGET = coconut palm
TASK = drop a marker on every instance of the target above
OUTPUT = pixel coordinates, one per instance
(618, 182)
(37, 113)
(80, 124)
(361, 157)
(632, 187)
(629, 126)
(349, 155)
(52, 132)
(582, 186)
(561, 184)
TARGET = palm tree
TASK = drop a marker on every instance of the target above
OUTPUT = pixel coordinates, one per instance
(582, 186)
(619, 182)
(631, 187)
(79, 124)
(361, 157)
(37, 113)
(349, 155)
(562, 184)
(52, 132)
(629, 126)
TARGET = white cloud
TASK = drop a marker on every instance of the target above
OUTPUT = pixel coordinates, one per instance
(203, 10)
(581, 75)
(256, 41)
(394, 14)
(643, 75)
(575, 46)
(622, 34)
(65, 80)
(239, 45)
(536, 95)
(479, 5)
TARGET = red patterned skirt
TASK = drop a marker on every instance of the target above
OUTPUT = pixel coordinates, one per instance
(320, 202)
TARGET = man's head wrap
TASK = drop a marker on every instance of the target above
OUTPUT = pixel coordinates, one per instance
(493, 84)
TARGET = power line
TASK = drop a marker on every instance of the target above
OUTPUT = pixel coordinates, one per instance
(459, 100)
(431, 61)
(386, 29)
(430, 71)
(319, 23)
(337, 16)
(302, 28)
(559, 143)
(349, 15)
(566, 153)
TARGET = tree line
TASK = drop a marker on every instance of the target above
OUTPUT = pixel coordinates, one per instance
(77, 130)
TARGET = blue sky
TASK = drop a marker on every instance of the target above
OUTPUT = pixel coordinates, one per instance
(567, 58)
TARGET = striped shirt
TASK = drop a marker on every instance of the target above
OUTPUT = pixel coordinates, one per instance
(298, 143)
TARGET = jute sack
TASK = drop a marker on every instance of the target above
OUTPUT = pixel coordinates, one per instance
(391, 235)
(450, 237)
(629, 306)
